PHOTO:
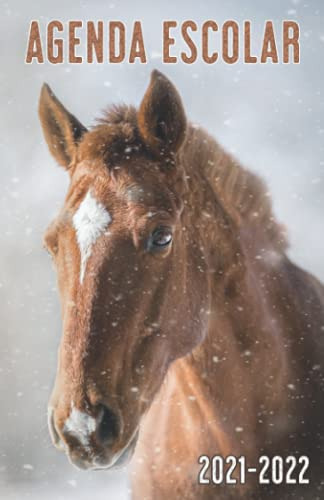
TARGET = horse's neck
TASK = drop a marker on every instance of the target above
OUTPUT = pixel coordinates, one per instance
(229, 387)
(228, 382)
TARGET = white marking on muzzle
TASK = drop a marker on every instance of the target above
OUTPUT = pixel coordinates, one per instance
(80, 425)
(89, 221)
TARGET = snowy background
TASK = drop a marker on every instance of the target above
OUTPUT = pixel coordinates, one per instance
(269, 116)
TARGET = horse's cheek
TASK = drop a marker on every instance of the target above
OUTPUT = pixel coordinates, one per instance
(191, 330)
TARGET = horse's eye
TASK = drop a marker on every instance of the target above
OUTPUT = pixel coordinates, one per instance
(160, 238)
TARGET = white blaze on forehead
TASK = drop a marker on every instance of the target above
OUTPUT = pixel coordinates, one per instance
(90, 221)
(80, 425)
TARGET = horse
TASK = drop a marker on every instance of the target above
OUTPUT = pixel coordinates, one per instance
(192, 345)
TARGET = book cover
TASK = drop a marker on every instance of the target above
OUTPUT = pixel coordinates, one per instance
(161, 276)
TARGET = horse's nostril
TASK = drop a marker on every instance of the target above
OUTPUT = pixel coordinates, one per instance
(108, 426)
(53, 430)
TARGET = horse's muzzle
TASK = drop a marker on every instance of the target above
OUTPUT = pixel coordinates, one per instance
(91, 441)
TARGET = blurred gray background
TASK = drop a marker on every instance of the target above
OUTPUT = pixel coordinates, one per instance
(269, 116)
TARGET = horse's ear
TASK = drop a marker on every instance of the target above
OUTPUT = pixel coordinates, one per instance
(161, 117)
(61, 129)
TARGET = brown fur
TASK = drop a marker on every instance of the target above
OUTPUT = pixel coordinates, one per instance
(220, 334)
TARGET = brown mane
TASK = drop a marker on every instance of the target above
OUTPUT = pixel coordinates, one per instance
(242, 193)
(118, 114)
